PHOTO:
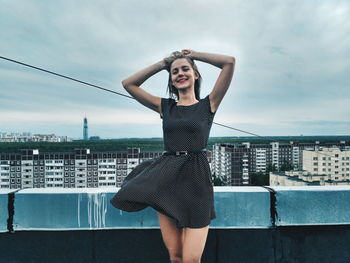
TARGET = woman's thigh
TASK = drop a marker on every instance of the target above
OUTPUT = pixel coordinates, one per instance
(172, 236)
(194, 243)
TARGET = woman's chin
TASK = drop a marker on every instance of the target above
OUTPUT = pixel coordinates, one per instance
(182, 87)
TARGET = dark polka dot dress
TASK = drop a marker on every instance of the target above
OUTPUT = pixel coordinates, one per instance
(178, 186)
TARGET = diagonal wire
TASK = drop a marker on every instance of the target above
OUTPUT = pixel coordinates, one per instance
(111, 91)
(238, 130)
(108, 90)
(127, 96)
(66, 77)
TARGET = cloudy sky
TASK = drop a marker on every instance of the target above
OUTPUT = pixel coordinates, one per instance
(291, 77)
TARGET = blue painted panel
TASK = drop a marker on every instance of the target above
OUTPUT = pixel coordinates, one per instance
(41, 209)
(242, 207)
(74, 209)
(313, 205)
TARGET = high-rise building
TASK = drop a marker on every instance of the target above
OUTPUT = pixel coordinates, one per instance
(234, 163)
(85, 131)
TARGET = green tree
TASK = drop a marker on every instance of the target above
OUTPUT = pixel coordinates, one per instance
(259, 179)
(217, 181)
(286, 166)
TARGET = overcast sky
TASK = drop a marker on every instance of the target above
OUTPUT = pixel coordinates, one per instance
(291, 78)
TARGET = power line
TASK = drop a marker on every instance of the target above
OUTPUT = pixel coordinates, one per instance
(239, 130)
(63, 76)
(111, 91)
(108, 90)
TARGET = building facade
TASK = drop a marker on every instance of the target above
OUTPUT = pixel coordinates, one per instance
(234, 163)
(28, 137)
(321, 166)
(79, 169)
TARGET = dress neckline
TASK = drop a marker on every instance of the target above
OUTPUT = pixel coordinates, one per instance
(187, 105)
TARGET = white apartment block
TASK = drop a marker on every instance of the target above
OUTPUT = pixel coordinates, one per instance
(4, 173)
(332, 162)
(27, 174)
(28, 137)
(260, 159)
(275, 154)
(80, 173)
(107, 172)
(230, 163)
(81, 169)
(54, 172)
(321, 166)
(296, 178)
(296, 157)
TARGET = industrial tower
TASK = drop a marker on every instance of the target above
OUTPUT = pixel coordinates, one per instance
(85, 131)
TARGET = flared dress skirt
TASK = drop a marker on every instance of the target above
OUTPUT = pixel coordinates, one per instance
(178, 186)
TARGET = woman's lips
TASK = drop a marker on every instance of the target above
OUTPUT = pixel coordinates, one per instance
(181, 80)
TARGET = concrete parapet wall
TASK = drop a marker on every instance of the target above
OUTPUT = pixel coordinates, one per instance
(236, 207)
(77, 209)
(312, 205)
(253, 224)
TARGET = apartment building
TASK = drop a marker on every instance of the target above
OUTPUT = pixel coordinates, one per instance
(234, 163)
(321, 166)
(79, 169)
(231, 163)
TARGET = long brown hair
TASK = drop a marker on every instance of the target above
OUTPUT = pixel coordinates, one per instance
(173, 92)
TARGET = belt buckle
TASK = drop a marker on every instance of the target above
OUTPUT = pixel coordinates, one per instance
(180, 152)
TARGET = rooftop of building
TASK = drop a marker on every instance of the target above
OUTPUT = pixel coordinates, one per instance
(253, 224)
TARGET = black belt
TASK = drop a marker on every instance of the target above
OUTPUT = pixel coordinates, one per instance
(183, 152)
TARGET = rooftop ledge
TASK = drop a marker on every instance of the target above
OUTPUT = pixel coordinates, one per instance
(236, 208)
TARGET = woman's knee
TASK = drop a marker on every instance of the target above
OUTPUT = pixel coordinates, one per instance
(191, 259)
(175, 255)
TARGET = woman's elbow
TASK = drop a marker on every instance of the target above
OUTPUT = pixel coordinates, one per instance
(231, 60)
(125, 83)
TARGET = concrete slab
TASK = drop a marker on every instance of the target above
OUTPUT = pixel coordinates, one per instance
(72, 209)
(312, 205)
(242, 207)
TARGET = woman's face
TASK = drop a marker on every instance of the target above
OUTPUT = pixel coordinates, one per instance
(182, 74)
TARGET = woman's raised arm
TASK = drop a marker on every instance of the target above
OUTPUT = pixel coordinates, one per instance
(132, 85)
(227, 65)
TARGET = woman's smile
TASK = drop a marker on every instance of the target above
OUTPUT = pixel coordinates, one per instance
(182, 73)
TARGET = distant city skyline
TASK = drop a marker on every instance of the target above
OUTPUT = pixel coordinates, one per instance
(291, 76)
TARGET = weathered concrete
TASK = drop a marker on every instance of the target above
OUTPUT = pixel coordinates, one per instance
(312, 205)
(4, 214)
(84, 209)
(242, 207)
(311, 226)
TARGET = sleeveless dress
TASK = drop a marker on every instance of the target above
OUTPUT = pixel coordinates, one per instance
(179, 186)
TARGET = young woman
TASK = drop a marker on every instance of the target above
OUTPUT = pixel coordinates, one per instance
(178, 184)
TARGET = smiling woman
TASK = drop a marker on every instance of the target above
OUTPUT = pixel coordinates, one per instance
(178, 184)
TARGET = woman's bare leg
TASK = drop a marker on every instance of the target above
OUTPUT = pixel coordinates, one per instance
(172, 237)
(194, 243)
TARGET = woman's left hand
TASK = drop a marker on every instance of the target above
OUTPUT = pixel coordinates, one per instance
(188, 52)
